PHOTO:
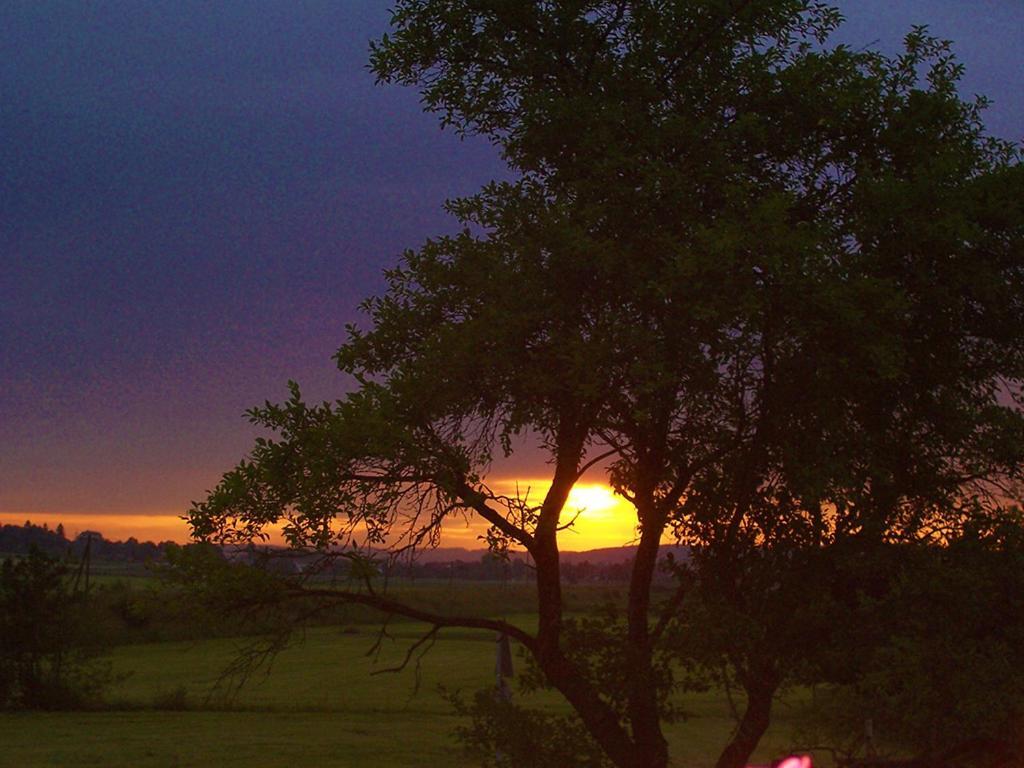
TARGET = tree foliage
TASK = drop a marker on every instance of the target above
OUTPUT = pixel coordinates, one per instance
(47, 652)
(945, 666)
(771, 287)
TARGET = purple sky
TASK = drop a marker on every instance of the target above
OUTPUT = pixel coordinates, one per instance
(195, 196)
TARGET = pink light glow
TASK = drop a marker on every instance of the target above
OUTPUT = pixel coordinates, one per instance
(796, 761)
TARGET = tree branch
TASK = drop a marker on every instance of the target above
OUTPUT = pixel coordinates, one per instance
(439, 621)
(582, 470)
(427, 639)
(476, 501)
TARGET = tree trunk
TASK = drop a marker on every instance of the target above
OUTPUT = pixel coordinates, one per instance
(643, 711)
(752, 726)
(600, 720)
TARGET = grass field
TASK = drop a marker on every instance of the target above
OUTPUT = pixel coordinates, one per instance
(320, 705)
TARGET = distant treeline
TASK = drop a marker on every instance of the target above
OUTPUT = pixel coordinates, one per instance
(21, 539)
(608, 565)
(611, 565)
(463, 565)
(490, 568)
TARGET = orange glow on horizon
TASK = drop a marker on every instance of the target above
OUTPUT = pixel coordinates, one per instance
(114, 527)
(602, 519)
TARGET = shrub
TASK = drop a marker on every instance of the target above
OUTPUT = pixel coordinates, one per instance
(48, 657)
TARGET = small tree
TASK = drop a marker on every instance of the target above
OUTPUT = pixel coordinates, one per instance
(46, 652)
(771, 288)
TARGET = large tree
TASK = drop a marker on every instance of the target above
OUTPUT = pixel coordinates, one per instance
(771, 288)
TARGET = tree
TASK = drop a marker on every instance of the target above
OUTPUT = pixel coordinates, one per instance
(942, 676)
(46, 652)
(769, 287)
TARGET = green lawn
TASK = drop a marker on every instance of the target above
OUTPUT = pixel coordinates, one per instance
(251, 739)
(320, 705)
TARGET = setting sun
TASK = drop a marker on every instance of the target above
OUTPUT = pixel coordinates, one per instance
(599, 518)
(593, 501)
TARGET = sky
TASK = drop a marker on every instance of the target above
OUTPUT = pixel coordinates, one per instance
(194, 199)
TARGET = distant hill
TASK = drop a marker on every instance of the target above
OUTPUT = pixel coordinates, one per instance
(615, 555)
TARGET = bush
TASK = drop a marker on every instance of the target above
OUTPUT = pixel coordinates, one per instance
(48, 657)
(175, 699)
(501, 734)
(947, 669)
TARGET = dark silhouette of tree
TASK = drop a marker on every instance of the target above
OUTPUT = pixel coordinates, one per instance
(772, 288)
(937, 663)
(21, 539)
(47, 654)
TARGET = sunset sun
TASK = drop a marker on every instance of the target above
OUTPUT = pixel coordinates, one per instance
(595, 502)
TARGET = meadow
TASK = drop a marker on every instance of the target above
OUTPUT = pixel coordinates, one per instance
(323, 702)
